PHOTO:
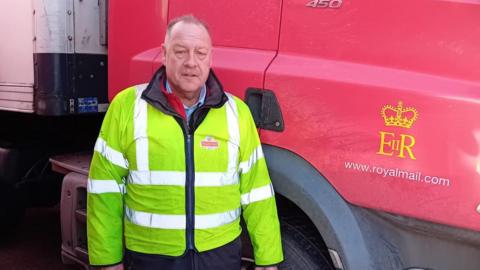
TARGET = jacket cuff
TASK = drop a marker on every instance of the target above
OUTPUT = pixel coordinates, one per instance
(269, 264)
(106, 265)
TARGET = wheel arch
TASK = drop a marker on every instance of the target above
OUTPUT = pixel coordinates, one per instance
(299, 182)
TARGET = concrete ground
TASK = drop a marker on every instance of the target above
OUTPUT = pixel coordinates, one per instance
(36, 244)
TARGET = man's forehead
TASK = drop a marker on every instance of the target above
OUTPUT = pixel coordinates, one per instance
(183, 30)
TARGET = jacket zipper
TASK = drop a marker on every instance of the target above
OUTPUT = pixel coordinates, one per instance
(190, 179)
(190, 186)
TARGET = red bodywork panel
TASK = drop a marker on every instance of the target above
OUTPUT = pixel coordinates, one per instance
(334, 72)
(133, 29)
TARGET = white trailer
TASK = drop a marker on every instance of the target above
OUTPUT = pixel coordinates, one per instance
(53, 90)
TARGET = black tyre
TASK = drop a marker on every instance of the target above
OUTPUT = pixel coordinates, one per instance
(302, 247)
(12, 199)
(12, 210)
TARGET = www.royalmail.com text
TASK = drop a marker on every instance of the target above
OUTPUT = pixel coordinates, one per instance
(398, 173)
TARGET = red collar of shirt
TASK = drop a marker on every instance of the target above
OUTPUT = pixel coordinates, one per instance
(174, 101)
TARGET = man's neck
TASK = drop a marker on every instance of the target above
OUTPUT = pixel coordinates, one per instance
(188, 99)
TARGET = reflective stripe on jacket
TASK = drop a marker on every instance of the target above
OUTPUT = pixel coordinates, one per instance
(167, 185)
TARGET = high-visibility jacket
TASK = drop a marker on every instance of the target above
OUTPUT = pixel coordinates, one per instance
(167, 186)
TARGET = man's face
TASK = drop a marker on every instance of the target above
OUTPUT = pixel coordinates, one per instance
(187, 57)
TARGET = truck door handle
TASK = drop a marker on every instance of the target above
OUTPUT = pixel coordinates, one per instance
(265, 109)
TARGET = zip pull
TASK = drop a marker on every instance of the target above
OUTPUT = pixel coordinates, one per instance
(187, 128)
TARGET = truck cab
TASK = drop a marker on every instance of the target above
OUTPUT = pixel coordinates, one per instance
(366, 111)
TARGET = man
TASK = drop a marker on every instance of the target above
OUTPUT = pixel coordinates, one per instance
(176, 163)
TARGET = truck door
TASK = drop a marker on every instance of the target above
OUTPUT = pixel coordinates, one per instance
(245, 38)
(353, 77)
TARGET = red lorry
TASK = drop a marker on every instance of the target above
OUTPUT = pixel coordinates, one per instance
(368, 114)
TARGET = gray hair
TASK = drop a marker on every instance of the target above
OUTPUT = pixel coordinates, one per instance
(189, 18)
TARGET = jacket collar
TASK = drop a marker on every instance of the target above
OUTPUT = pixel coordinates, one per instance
(155, 95)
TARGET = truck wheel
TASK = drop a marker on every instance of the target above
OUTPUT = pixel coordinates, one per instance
(301, 249)
(12, 210)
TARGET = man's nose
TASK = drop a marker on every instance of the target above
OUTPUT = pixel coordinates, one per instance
(190, 61)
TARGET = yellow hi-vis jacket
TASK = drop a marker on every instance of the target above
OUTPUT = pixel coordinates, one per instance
(167, 186)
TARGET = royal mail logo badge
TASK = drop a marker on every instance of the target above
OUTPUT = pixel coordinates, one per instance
(395, 142)
(209, 143)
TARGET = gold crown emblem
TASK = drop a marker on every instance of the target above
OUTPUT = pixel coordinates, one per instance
(399, 116)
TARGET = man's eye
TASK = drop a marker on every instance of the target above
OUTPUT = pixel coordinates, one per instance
(180, 53)
(201, 54)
